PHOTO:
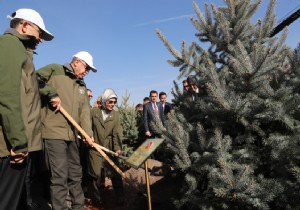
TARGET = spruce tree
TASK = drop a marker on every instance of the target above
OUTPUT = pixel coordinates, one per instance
(237, 146)
(128, 119)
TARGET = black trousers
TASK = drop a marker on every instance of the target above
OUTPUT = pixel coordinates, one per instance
(84, 152)
(12, 177)
(32, 160)
(66, 174)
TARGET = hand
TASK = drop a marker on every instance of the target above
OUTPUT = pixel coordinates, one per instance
(56, 103)
(90, 141)
(17, 158)
(118, 153)
(148, 133)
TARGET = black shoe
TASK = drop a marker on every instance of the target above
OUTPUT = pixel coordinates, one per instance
(33, 206)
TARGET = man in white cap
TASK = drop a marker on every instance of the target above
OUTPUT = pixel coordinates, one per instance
(20, 108)
(63, 85)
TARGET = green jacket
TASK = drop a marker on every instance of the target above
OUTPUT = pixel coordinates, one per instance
(107, 134)
(60, 80)
(20, 107)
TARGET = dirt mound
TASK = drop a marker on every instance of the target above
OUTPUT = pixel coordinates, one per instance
(159, 190)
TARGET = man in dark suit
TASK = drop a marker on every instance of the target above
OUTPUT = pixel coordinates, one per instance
(150, 110)
(185, 86)
(196, 88)
(193, 90)
(166, 105)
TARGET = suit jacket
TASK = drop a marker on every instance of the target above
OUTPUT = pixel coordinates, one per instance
(167, 108)
(149, 115)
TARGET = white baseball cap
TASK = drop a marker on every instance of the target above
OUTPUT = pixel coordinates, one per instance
(33, 17)
(86, 57)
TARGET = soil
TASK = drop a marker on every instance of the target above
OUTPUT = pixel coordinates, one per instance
(160, 191)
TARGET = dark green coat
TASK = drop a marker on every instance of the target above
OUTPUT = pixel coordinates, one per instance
(107, 134)
(20, 109)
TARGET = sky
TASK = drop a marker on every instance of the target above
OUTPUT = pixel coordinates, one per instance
(120, 35)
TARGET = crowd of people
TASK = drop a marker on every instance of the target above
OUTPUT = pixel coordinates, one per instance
(37, 137)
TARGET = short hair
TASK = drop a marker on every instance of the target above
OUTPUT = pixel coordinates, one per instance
(138, 105)
(162, 93)
(74, 59)
(146, 99)
(184, 81)
(152, 91)
(89, 90)
(191, 79)
(15, 22)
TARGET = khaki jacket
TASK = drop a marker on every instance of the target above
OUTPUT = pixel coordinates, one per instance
(20, 107)
(107, 134)
(59, 80)
(31, 105)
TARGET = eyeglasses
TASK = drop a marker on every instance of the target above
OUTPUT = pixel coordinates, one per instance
(37, 29)
(90, 96)
(87, 68)
(185, 86)
(112, 102)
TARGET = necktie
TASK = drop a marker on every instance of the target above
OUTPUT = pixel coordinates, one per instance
(155, 108)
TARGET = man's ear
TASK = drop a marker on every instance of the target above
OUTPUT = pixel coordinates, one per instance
(23, 27)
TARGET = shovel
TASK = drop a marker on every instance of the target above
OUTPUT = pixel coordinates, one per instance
(108, 151)
(99, 149)
(120, 156)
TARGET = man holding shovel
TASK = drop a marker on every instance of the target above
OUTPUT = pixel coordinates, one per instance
(63, 85)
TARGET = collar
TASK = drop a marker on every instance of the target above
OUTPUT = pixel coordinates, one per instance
(22, 37)
(14, 32)
(68, 68)
(69, 71)
(103, 108)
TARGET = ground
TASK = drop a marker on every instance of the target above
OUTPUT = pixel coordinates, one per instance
(160, 191)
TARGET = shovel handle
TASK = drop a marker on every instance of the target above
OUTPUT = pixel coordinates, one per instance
(108, 151)
(97, 147)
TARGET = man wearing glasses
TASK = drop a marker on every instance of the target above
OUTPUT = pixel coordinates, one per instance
(63, 85)
(90, 94)
(20, 122)
(185, 86)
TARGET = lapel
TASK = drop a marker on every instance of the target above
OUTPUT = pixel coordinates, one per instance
(99, 116)
(159, 107)
(151, 109)
(110, 117)
(149, 106)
